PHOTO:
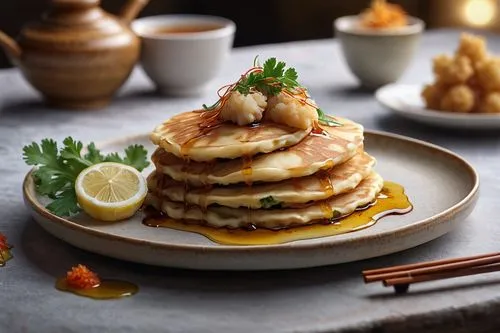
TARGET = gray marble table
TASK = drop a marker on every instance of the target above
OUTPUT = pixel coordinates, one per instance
(326, 299)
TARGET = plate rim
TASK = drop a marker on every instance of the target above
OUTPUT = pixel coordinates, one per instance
(430, 113)
(38, 208)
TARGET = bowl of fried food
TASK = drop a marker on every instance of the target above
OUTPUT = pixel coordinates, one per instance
(467, 81)
(465, 92)
(378, 44)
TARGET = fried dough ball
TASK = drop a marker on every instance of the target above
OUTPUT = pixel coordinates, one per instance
(469, 81)
(287, 110)
(473, 47)
(244, 109)
(432, 95)
(488, 74)
(459, 98)
(452, 70)
(490, 103)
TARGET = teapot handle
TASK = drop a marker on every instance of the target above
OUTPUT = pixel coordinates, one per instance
(131, 9)
(10, 46)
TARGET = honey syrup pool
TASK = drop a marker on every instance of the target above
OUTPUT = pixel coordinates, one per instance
(107, 289)
(391, 200)
(5, 255)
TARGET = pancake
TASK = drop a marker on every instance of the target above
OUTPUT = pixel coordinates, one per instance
(335, 181)
(316, 152)
(183, 136)
(219, 216)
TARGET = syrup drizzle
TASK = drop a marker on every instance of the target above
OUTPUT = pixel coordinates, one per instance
(107, 289)
(327, 186)
(246, 169)
(391, 200)
(203, 197)
(189, 136)
(326, 183)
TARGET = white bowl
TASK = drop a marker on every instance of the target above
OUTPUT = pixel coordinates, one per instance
(184, 63)
(377, 56)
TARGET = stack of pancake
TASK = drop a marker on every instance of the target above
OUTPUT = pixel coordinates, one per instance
(262, 176)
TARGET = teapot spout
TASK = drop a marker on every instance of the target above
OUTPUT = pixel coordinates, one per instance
(131, 9)
(10, 46)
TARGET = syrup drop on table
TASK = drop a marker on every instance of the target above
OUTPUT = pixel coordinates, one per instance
(5, 256)
(107, 289)
(391, 200)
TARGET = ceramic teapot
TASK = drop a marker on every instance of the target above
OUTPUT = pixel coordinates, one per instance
(77, 56)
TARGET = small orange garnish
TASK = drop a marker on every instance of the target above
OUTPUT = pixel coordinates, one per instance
(383, 15)
(80, 277)
(4, 246)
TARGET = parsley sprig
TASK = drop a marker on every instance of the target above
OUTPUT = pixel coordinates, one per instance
(270, 79)
(57, 169)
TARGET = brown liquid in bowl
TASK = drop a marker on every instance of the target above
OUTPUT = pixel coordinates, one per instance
(181, 29)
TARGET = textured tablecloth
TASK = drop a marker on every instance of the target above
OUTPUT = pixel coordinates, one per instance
(327, 299)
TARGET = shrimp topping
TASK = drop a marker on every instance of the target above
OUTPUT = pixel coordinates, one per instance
(284, 109)
(244, 109)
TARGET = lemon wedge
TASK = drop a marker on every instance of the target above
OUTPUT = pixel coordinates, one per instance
(110, 191)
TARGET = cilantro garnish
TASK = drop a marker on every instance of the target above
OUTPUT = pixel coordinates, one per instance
(270, 79)
(57, 169)
(326, 120)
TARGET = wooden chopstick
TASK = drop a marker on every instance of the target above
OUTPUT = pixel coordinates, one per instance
(444, 275)
(402, 276)
(465, 263)
(426, 264)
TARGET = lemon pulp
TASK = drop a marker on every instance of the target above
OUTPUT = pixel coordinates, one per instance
(110, 191)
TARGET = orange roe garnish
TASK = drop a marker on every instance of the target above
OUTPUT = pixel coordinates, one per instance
(3, 243)
(384, 15)
(80, 277)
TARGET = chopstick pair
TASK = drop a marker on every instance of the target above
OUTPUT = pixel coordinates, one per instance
(401, 277)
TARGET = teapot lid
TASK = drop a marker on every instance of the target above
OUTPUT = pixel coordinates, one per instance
(67, 23)
(75, 3)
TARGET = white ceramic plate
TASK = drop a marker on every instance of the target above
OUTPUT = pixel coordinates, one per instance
(442, 187)
(405, 101)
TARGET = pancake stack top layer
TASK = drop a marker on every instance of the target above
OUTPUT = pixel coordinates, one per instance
(277, 170)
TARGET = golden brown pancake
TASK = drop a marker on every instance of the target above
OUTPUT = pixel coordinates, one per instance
(219, 216)
(314, 153)
(319, 186)
(184, 137)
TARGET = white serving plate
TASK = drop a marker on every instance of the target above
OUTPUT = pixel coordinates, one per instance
(441, 185)
(405, 101)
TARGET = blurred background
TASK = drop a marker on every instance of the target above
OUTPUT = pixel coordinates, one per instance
(272, 21)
